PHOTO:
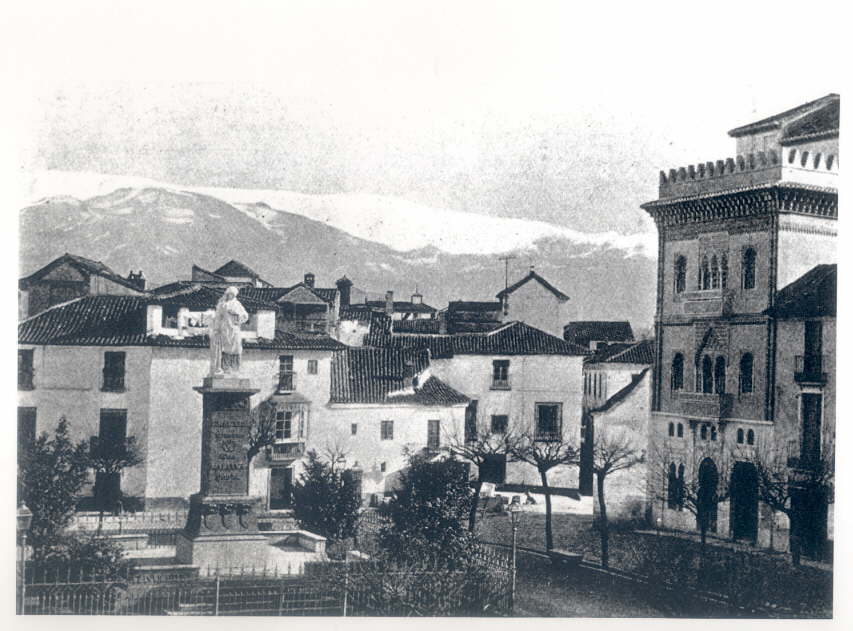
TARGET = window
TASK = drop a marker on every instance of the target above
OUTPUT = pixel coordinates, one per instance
(713, 433)
(26, 429)
(112, 434)
(724, 271)
(500, 423)
(25, 369)
(748, 269)
(283, 425)
(113, 371)
(281, 488)
(746, 373)
(112, 430)
(707, 375)
(433, 434)
(750, 437)
(672, 488)
(387, 430)
(720, 375)
(703, 432)
(312, 366)
(680, 274)
(677, 376)
(169, 319)
(672, 429)
(500, 373)
(705, 274)
(715, 273)
(680, 495)
(680, 430)
(285, 373)
(353, 429)
(740, 437)
(471, 422)
(383, 466)
(549, 422)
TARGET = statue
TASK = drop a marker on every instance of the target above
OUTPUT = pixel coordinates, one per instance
(226, 346)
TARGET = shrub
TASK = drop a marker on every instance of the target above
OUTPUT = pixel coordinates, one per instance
(326, 500)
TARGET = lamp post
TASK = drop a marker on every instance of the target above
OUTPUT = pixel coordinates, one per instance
(24, 519)
(514, 510)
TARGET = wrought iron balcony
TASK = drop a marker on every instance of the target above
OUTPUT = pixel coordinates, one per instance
(703, 405)
(287, 451)
(808, 369)
(500, 384)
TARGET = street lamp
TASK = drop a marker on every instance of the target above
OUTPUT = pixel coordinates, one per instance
(24, 519)
(514, 511)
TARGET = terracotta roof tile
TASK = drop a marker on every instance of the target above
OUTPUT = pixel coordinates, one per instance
(584, 332)
(642, 352)
(812, 295)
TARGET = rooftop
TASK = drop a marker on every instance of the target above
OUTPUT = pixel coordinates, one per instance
(778, 121)
(582, 332)
(402, 306)
(533, 276)
(812, 295)
(388, 376)
(642, 352)
(623, 393)
(89, 266)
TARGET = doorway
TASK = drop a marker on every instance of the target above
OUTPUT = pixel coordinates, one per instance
(707, 495)
(281, 488)
(743, 491)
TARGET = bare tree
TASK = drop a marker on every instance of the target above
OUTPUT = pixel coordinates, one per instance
(262, 432)
(545, 454)
(614, 450)
(777, 486)
(703, 488)
(477, 445)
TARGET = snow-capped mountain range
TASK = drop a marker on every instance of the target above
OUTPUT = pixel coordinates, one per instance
(378, 242)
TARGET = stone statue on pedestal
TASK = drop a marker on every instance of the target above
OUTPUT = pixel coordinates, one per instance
(226, 346)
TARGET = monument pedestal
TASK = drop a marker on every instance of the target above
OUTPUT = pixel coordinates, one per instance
(222, 525)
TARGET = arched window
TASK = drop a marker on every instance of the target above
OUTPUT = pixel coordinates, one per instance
(705, 275)
(671, 487)
(677, 376)
(724, 271)
(707, 375)
(703, 432)
(713, 433)
(715, 273)
(672, 429)
(680, 430)
(680, 274)
(748, 269)
(720, 375)
(740, 437)
(750, 437)
(746, 373)
(680, 496)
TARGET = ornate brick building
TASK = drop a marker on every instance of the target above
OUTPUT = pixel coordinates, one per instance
(732, 234)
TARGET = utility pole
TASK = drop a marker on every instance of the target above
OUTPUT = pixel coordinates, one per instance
(506, 259)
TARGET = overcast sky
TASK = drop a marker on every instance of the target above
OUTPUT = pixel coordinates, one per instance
(546, 111)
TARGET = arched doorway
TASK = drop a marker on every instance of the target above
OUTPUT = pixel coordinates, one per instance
(743, 489)
(707, 495)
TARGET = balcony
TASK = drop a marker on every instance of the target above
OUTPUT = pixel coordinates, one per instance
(287, 451)
(303, 326)
(808, 369)
(703, 405)
(706, 302)
(500, 384)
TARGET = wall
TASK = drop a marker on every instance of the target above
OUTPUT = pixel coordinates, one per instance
(367, 451)
(612, 378)
(68, 383)
(803, 243)
(533, 304)
(625, 491)
(533, 378)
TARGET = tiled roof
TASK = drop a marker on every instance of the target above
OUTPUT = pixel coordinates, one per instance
(777, 120)
(466, 305)
(121, 321)
(402, 306)
(584, 332)
(274, 294)
(513, 338)
(204, 297)
(89, 266)
(199, 273)
(823, 122)
(642, 352)
(420, 325)
(812, 295)
(180, 285)
(533, 276)
(385, 375)
(236, 268)
(622, 394)
(359, 312)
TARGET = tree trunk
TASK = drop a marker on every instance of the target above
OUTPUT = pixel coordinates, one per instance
(549, 536)
(472, 515)
(605, 532)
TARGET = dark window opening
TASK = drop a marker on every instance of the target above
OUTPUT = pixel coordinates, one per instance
(387, 430)
(680, 274)
(677, 377)
(707, 375)
(549, 420)
(500, 423)
(25, 369)
(433, 434)
(680, 432)
(740, 436)
(114, 371)
(471, 422)
(672, 429)
(750, 437)
(285, 373)
(312, 366)
(703, 432)
(748, 269)
(500, 373)
(720, 375)
(353, 428)
(169, 319)
(746, 373)
(281, 488)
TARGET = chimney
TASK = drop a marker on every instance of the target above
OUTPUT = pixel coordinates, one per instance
(389, 303)
(137, 280)
(344, 289)
(417, 298)
(309, 280)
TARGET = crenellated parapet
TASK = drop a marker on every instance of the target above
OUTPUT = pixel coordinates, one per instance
(754, 169)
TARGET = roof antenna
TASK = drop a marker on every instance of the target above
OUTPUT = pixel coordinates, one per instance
(506, 260)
